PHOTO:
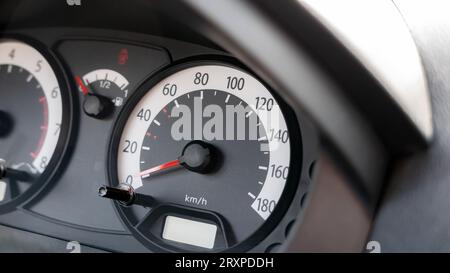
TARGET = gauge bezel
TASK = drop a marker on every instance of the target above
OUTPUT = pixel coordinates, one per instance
(53, 167)
(292, 182)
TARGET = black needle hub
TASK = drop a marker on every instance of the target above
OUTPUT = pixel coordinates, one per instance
(197, 156)
(97, 106)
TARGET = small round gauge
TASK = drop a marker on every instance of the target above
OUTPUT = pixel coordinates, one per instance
(32, 116)
(106, 83)
(200, 159)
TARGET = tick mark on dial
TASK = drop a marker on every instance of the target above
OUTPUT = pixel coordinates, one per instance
(251, 195)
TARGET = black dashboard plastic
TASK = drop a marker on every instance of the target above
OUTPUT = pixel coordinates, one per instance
(413, 212)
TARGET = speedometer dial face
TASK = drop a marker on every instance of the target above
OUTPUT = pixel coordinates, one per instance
(206, 152)
(31, 116)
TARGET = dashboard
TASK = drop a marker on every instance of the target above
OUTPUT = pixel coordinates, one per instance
(209, 126)
(117, 138)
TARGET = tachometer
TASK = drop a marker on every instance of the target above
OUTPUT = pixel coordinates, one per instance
(31, 119)
(205, 154)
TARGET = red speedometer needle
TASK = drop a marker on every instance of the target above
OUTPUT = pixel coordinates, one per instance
(164, 166)
(196, 157)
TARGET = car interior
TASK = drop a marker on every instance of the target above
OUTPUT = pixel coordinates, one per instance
(224, 126)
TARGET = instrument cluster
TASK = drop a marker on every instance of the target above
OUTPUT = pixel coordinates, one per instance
(128, 142)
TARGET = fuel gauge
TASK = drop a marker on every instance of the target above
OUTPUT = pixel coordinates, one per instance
(104, 89)
(105, 82)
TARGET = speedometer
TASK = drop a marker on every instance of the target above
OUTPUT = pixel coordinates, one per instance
(203, 154)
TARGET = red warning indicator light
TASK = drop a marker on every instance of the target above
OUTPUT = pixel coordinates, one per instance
(123, 56)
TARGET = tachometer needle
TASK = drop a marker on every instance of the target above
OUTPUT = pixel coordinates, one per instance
(164, 166)
(6, 172)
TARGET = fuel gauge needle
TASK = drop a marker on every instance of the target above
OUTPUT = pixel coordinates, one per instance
(161, 167)
(81, 85)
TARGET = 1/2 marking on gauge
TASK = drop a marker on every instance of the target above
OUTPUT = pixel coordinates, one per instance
(105, 82)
